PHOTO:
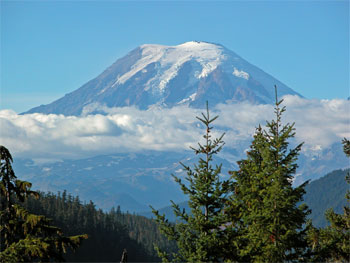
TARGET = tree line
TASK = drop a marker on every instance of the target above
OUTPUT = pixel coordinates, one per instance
(109, 233)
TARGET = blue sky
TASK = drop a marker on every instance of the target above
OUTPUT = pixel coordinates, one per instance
(50, 48)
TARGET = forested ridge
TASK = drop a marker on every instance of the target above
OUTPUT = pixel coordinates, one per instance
(109, 232)
(325, 193)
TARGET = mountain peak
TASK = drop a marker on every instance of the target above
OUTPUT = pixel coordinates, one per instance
(188, 44)
(157, 75)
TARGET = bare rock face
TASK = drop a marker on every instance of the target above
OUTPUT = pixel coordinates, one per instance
(165, 76)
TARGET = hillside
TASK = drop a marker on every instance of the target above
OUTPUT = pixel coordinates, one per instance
(109, 232)
(324, 193)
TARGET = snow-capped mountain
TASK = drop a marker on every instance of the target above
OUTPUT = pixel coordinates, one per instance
(166, 76)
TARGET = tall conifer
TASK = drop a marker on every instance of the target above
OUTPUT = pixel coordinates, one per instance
(26, 237)
(200, 232)
(264, 205)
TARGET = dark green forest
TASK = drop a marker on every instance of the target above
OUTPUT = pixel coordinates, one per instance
(109, 232)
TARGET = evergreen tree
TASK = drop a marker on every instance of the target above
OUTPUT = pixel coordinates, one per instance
(25, 236)
(332, 244)
(264, 206)
(200, 233)
(346, 147)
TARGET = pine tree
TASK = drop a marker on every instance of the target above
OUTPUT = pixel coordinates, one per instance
(332, 244)
(25, 236)
(200, 233)
(264, 205)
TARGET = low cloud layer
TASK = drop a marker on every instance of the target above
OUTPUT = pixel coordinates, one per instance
(51, 137)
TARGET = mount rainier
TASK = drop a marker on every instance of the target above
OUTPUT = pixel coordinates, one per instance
(159, 78)
(166, 76)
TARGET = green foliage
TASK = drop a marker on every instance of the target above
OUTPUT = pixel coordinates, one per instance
(332, 244)
(25, 236)
(146, 232)
(346, 147)
(264, 208)
(200, 234)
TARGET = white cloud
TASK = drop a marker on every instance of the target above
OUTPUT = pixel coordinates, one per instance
(39, 136)
(319, 122)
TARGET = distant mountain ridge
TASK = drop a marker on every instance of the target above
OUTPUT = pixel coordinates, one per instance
(136, 180)
(166, 76)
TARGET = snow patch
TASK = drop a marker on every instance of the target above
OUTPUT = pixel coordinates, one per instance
(190, 98)
(316, 147)
(193, 96)
(150, 54)
(240, 74)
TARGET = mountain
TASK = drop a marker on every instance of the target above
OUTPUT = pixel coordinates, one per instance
(166, 76)
(162, 76)
(133, 181)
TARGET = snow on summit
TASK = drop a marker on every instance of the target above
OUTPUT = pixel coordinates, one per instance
(154, 75)
(171, 58)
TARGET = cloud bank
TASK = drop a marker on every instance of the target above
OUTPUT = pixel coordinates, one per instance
(319, 123)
